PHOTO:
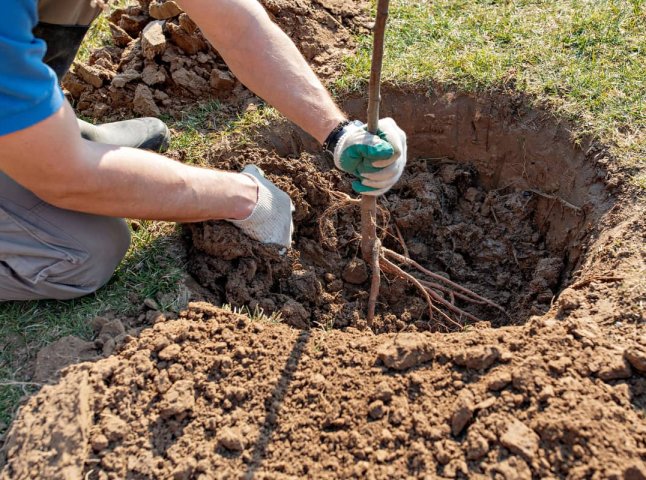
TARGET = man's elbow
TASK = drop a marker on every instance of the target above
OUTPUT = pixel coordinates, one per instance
(66, 188)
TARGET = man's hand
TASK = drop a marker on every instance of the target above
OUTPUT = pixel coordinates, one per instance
(271, 219)
(376, 160)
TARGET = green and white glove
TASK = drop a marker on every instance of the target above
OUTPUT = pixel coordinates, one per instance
(271, 219)
(376, 160)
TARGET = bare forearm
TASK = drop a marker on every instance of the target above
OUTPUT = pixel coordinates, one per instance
(52, 160)
(126, 182)
(266, 61)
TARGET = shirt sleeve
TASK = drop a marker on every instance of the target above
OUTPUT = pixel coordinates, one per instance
(29, 90)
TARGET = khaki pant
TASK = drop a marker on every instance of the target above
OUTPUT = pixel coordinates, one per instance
(67, 12)
(48, 252)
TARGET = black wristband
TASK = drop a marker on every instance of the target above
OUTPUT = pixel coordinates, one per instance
(333, 138)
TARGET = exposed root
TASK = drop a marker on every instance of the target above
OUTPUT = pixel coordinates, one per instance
(388, 267)
(440, 292)
(468, 295)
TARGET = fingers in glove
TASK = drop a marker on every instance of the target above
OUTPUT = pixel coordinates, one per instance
(393, 170)
(358, 153)
(362, 189)
(395, 136)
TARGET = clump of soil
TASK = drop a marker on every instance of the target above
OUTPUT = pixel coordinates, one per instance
(161, 63)
(214, 394)
(486, 241)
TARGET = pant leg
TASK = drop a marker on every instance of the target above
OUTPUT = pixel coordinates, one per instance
(62, 25)
(51, 253)
(67, 12)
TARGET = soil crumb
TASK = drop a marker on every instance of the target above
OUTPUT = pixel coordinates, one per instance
(161, 63)
(216, 395)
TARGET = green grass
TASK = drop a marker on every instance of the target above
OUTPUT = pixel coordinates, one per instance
(584, 59)
(208, 123)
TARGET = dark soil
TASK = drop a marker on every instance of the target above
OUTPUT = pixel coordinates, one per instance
(486, 241)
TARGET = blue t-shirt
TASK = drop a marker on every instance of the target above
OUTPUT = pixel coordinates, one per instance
(29, 90)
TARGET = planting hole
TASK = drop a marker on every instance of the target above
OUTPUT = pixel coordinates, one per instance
(496, 197)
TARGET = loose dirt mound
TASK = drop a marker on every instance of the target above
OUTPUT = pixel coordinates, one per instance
(161, 62)
(486, 241)
(215, 395)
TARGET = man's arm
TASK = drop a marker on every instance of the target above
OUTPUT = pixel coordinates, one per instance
(52, 160)
(265, 59)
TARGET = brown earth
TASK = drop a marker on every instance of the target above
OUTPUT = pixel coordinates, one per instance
(496, 196)
(161, 63)
(215, 395)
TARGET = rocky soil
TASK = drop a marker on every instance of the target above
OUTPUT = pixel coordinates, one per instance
(160, 62)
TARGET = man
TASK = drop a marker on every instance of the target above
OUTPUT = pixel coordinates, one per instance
(66, 186)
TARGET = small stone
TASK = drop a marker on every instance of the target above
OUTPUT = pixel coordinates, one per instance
(231, 439)
(636, 356)
(407, 350)
(384, 392)
(161, 10)
(376, 410)
(113, 427)
(119, 36)
(153, 75)
(144, 104)
(295, 314)
(615, 368)
(92, 74)
(477, 358)
(381, 456)
(191, 81)
(221, 81)
(99, 442)
(463, 412)
(121, 79)
(584, 329)
(498, 380)
(521, 440)
(318, 381)
(171, 352)
(133, 24)
(355, 272)
(187, 24)
(152, 304)
(546, 393)
(191, 44)
(153, 41)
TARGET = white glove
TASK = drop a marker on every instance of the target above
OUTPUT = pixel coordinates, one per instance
(271, 219)
(377, 160)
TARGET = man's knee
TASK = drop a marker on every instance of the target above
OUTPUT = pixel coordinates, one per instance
(78, 270)
(104, 245)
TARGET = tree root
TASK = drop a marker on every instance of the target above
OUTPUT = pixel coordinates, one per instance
(439, 292)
